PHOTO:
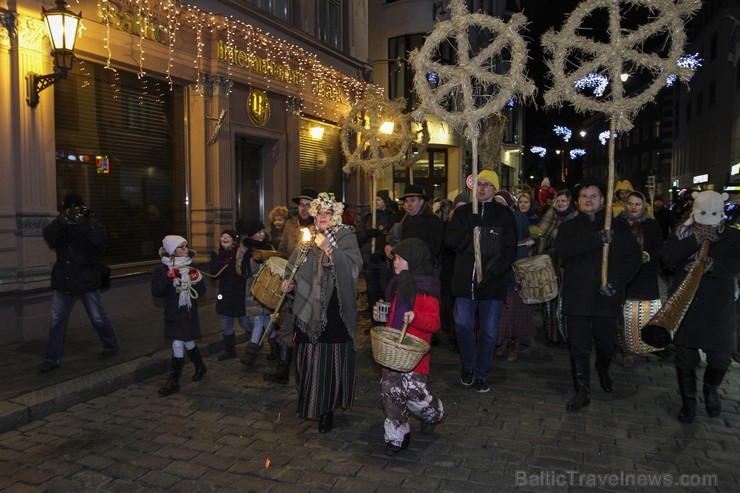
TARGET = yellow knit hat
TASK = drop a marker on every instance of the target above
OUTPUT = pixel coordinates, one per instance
(489, 175)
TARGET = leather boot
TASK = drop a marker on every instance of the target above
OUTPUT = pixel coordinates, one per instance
(173, 382)
(582, 380)
(250, 354)
(712, 379)
(514, 352)
(687, 387)
(602, 368)
(282, 374)
(197, 359)
(502, 348)
(229, 347)
(274, 349)
(326, 422)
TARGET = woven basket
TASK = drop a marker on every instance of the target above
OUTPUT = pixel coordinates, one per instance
(396, 349)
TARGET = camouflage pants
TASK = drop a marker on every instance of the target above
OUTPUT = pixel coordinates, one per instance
(402, 393)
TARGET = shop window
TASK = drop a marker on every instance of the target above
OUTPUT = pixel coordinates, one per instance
(330, 23)
(119, 144)
(320, 158)
(430, 171)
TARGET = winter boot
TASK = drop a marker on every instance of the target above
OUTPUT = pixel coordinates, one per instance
(502, 348)
(602, 368)
(229, 347)
(514, 352)
(197, 359)
(326, 422)
(712, 379)
(687, 387)
(173, 382)
(250, 354)
(282, 374)
(582, 379)
(274, 349)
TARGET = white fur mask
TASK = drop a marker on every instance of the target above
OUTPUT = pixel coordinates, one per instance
(708, 207)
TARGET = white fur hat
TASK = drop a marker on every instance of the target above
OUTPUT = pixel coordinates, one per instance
(708, 207)
(171, 242)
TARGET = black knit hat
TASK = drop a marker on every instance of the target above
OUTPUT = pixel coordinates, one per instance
(72, 200)
(589, 181)
(252, 227)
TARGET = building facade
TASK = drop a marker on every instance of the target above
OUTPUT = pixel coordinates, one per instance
(175, 119)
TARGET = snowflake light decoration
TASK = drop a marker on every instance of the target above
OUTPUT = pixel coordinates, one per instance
(576, 153)
(604, 136)
(691, 62)
(540, 151)
(562, 131)
(596, 81)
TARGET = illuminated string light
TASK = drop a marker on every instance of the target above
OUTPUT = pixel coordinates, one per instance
(596, 81)
(563, 132)
(691, 62)
(540, 151)
(604, 136)
(576, 153)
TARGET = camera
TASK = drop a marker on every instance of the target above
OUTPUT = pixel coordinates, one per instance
(74, 213)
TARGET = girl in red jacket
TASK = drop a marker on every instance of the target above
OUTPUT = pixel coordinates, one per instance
(414, 291)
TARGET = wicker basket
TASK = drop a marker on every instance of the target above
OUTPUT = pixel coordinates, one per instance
(396, 349)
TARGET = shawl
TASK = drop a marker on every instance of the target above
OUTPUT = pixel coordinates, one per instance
(183, 278)
(317, 278)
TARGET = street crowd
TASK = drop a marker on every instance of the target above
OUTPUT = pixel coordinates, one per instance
(456, 265)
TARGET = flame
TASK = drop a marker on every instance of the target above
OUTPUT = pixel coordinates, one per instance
(267, 463)
(306, 235)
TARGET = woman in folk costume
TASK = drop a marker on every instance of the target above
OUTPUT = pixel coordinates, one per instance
(180, 285)
(642, 292)
(325, 314)
(414, 292)
(709, 323)
(562, 210)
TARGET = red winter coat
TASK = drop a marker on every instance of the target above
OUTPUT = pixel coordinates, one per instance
(426, 322)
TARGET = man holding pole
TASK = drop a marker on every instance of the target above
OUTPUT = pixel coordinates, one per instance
(482, 293)
(592, 308)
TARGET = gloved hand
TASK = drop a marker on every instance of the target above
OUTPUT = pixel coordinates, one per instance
(475, 219)
(606, 235)
(645, 257)
(607, 290)
(535, 231)
(372, 232)
(173, 274)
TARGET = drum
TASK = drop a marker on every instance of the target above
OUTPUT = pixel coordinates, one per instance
(536, 281)
(637, 313)
(266, 285)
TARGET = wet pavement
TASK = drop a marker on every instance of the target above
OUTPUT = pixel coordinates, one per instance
(96, 425)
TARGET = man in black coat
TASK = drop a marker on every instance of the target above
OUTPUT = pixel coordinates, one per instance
(416, 221)
(78, 239)
(498, 238)
(592, 310)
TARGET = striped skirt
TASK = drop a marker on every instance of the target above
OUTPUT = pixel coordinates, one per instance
(517, 320)
(326, 377)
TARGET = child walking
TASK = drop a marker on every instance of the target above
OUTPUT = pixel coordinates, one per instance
(180, 285)
(415, 294)
(232, 289)
(247, 267)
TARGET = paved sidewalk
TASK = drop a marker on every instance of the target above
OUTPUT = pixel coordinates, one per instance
(111, 434)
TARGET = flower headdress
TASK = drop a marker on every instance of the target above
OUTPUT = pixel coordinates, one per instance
(327, 202)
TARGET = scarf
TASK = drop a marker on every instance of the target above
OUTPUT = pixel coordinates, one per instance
(317, 278)
(637, 225)
(183, 278)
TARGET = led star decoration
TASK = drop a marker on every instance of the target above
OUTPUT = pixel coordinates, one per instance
(540, 151)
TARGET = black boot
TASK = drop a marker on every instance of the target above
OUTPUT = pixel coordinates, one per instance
(229, 347)
(687, 387)
(326, 422)
(282, 374)
(583, 383)
(173, 382)
(197, 359)
(250, 354)
(712, 379)
(274, 349)
(602, 368)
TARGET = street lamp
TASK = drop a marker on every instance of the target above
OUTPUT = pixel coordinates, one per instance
(62, 26)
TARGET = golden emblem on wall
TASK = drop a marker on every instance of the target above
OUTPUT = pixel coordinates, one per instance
(258, 107)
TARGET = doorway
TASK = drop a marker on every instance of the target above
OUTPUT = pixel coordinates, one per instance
(248, 162)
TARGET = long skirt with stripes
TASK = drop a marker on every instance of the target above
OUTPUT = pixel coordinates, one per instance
(517, 320)
(326, 377)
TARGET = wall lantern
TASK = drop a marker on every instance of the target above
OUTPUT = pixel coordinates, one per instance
(386, 128)
(62, 25)
(317, 133)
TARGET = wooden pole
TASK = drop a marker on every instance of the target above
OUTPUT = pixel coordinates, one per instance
(476, 230)
(373, 221)
(609, 199)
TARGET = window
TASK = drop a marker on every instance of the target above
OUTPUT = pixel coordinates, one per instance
(699, 102)
(330, 23)
(320, 159)
(688, 111)
(713, 47)
(712, 95)
(430, 172)
(119, 145)
(400, 82)
(278, 8)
